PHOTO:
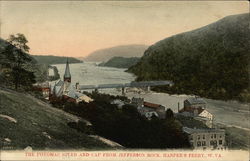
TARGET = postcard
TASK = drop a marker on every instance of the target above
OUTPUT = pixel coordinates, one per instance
(124, 80)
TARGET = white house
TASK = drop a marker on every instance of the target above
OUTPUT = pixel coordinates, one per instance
(118, 102)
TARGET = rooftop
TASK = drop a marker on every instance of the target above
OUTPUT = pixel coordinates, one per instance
(192, 109)
(196, 100)
(151, 105)
(192, 131)
(67, 71)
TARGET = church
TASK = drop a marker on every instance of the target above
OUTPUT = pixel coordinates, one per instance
(64, 90)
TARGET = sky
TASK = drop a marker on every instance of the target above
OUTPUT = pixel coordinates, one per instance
(77, 28)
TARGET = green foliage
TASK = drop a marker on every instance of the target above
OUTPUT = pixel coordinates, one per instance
(212, 61)
(49, 59)
(169, 114)
(16, 61)
(127, 127)
(120, 62)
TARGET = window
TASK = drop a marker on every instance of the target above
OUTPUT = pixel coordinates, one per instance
(203, 143)
(211, 142)
(215, 142)
(212, 136)
(199, 137)
(220, 136)
(203, 137)
(220, 142)
(191, 137)
(198, 143)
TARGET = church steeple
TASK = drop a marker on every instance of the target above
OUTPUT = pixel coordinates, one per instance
(67, 75)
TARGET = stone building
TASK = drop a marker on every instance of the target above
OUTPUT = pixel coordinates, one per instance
(211, 139)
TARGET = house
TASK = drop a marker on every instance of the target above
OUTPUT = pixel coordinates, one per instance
(211, 139)
(118, 102)
(201, 112)
(159, 109)
(137, 101)
(204, 120)
(196, 107)
(151, 114)
(194, 102)
(76, 97)
(42, 87)
(148, 109)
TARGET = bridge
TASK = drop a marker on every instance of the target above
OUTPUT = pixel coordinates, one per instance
(142, 84)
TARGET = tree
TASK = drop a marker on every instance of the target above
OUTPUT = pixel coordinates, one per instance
(169, 114)
(18, 49)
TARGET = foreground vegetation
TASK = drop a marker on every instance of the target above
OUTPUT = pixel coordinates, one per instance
(211, 62)
(18, 70)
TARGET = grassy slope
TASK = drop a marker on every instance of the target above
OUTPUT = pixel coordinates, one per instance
(35, 117)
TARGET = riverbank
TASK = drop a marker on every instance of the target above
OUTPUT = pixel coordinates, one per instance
(226, 112)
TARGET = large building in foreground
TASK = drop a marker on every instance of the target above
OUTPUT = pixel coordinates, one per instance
(211, 139)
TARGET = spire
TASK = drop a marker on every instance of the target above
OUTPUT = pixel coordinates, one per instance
(67, 75)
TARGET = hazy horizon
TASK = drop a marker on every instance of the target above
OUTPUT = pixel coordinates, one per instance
(77, 28)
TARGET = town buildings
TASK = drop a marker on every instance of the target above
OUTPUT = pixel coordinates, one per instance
(118, 102)
(210, 139)
(44, 88)
(148, 109)
(196, 108)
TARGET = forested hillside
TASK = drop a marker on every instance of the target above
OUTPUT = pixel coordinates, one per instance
(120, 62)
(212, 61)
(49, 59)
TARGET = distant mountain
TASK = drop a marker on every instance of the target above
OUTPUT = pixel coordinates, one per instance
(118, 51)
(49, 59)
(212, 61)
(120, 62)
